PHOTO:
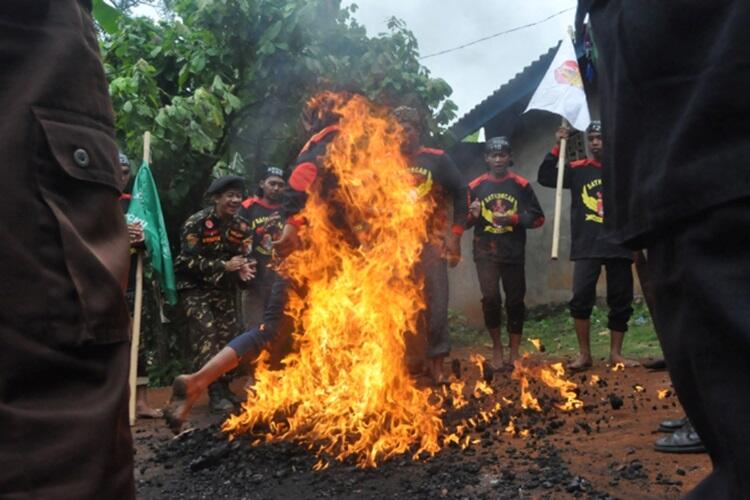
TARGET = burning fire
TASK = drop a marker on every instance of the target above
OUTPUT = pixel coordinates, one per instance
(594, 380)
(345, 391)
(552, 376)
(618, 367)
(538, 344)
(455, 391)
(663, 393)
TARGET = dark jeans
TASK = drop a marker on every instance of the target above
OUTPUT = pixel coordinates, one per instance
(249, 344)
(619, 290)
(513, 277)
(252, 307)
(700, 270)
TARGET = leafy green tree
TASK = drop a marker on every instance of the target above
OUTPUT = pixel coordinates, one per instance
(221, 83)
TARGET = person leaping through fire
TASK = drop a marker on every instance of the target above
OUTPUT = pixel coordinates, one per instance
(308, 174)
(438, 177)
(503, 207)
(589, 251)
(263, 213)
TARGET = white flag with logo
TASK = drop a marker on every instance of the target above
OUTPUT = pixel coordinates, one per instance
(561, 89)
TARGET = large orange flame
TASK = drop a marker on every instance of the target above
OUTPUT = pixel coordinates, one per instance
(345, 391)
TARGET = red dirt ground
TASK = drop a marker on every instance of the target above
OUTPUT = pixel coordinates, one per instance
(601, 444)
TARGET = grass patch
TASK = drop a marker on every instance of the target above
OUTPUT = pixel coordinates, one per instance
(554, 326)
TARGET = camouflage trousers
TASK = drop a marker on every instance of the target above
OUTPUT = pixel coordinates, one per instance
(212, 322)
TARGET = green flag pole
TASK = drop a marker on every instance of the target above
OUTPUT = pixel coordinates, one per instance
(136, 337)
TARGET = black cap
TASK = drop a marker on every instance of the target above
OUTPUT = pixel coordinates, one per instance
(226, 183)
(500, 143)
(272, 171)
(595, 127)
(407, 114)
(123, 159)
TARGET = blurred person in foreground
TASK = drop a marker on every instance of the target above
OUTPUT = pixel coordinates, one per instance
(673, 78)
(64, 325)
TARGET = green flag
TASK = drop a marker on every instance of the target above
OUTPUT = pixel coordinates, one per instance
(146, 209)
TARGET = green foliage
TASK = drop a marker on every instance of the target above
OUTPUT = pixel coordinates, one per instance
(221, 83)
(106, 16)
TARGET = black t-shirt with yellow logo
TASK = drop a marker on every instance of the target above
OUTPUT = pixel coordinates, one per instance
(509, 196)
(205, 244)
(266, 225)
(437, 176)
(584, 179)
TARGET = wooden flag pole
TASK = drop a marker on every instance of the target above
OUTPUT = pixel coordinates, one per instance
(137, 308)
(558, 194)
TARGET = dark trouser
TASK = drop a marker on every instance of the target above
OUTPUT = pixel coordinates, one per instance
(64, 344)
(619, 290)
(252, 309)
(54, 399)
(249, 344)
(434, 268)
(700, 270)
(513, 277)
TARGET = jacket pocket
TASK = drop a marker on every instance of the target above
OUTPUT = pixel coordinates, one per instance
(79, 181)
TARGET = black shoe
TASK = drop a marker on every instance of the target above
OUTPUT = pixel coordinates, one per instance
(683, 440)
(217, 400)
(672, 425)
(656, 364)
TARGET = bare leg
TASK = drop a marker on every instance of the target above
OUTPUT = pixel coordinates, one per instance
(497, 348)
(584, 361)
(186, 389)
(437, 369)
(615, 350)
(515, 345)
(142, 408)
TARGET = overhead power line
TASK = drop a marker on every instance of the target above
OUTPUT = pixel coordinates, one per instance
(517, 28)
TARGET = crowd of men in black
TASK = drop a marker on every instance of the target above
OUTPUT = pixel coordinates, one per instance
(669, 121)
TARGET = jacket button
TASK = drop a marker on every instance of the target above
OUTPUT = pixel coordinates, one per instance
(81, 157)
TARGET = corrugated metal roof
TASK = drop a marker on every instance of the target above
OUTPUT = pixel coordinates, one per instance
(519, 87)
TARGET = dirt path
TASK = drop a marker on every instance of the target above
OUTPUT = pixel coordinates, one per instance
(594, 452)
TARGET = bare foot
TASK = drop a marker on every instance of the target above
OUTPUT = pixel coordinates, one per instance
(185, 393)
(497, 357)
(581, 364)
(145, 411)
(437, 372)
(627, 363)
(514, 356)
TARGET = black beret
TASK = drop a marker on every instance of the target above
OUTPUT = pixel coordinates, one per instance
(226, 183)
